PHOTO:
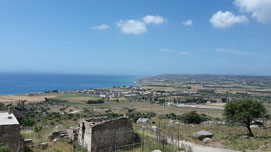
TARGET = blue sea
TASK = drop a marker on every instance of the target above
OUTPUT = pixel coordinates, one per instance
(15, 83)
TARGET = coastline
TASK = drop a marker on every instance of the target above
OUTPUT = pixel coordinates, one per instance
(22, 84)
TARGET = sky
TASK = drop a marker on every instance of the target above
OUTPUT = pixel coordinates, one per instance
(136, 37)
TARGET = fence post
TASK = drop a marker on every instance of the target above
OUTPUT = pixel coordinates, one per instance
(114, 141)
(178, 136)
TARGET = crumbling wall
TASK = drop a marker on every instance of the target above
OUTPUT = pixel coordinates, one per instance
(106, 135)
(85, 135)
(10, 135)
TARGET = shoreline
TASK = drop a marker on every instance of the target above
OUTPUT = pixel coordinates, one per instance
(22, 84)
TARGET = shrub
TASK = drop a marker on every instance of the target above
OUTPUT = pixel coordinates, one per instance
(95, 101)
(171, 116)
(4, 148)
(27, 149)
(193, 117)
(28, 122)
(3, 107)
(131, 110)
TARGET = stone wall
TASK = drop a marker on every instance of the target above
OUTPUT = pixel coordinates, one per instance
(104, 136)
(10, 135)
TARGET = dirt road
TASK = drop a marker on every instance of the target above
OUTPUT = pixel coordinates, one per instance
(199, 148)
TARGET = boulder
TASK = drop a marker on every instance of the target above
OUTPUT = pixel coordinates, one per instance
(203, 134)
(171, 122)
(154, 128)
(206, 140)
(58, 126)
(142, 120)
(208, 123)
(43, 145)
(27, 142)
(54, 136)
(156, 151)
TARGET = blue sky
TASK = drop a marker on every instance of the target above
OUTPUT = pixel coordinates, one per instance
(139, 37)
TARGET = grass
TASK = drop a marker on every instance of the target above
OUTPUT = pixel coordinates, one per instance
(179, 110)
(224, 136)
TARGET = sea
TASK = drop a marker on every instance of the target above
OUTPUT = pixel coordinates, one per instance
(23, 83)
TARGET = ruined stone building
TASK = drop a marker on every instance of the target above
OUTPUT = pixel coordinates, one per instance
(103, 135)
(10, 132)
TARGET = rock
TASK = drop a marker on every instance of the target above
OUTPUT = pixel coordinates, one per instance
(43, 145)
(154, 128)
(54, 136)
(58, 126)
(203, 134)
(221, 123)
(206, 140)
(245, 136)
(56, 139)
(156, 151)
(28, 142)
(208, 123)
(254, 126)
(171, 122)
(142, 120)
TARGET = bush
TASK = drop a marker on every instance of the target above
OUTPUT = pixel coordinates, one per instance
(27, 149)
(171, 116)
(112, 115)
(193, 117)
(3, 107)
(4, 148)
(28, 122)
(131, 110)
(95, 101)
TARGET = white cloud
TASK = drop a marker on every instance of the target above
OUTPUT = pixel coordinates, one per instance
(101, 27)
(153, 19)
(188, 23)
(260, 9)
(175, 52)
(184, 52)
(234, 52)
(132, 27)
(226, 19)
(166, 50)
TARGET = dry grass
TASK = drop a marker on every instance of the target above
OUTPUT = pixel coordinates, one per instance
(16, 98)
(231, 137)
(179, 110)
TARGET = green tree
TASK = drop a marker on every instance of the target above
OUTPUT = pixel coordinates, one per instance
(244, 112)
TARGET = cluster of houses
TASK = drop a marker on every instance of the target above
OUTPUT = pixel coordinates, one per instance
(116, 92)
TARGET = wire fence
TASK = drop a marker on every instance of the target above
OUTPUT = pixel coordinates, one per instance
(157, 136)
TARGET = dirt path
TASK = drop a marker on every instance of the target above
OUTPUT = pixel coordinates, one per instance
(198, 147)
